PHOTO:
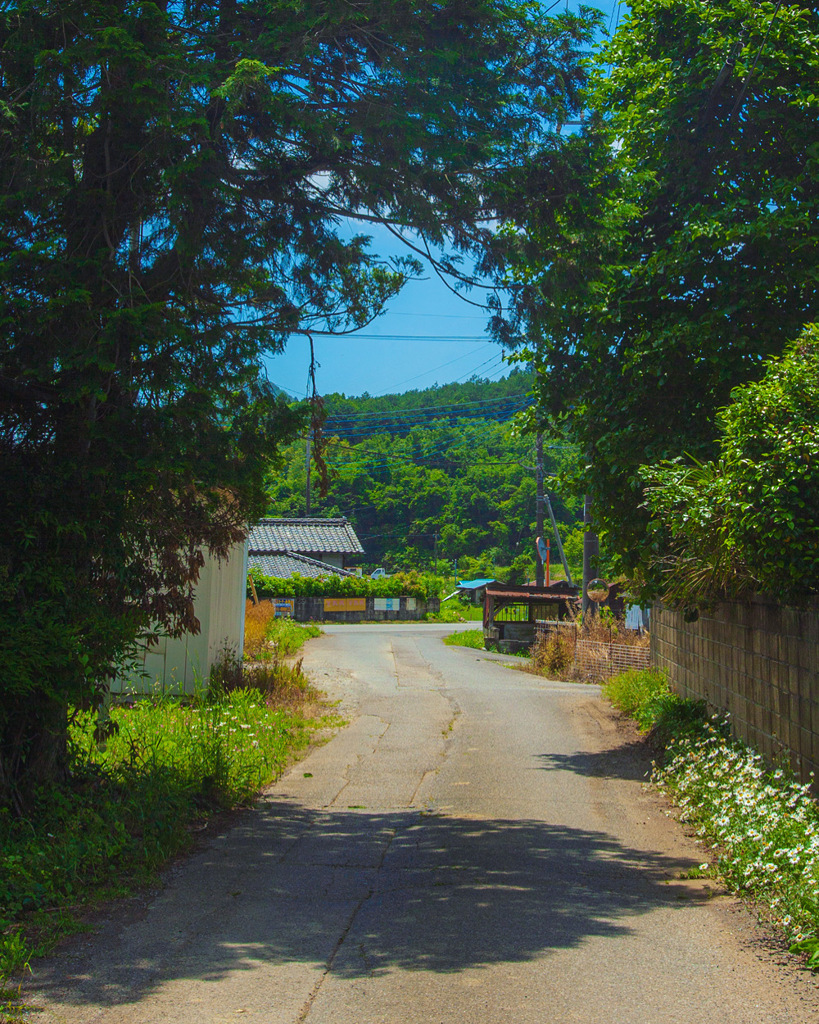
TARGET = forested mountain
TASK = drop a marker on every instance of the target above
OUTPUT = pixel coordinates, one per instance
(441, 471)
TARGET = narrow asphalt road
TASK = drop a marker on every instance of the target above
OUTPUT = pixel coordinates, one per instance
(477, 845)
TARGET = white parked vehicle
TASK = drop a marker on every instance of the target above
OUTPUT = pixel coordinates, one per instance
(379, 574)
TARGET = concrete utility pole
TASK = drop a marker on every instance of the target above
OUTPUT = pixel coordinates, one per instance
(307, 468)
(591, 553)
(539, 512)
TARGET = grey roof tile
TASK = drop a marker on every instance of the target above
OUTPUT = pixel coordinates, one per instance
(304, 535)
(285, 563)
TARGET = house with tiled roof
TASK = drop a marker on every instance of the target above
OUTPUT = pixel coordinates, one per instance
(309, 546)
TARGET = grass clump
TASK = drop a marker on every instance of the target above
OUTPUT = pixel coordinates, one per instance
(458, 612)
(125, 810)
(763, 825)
(645, 696)
(466, 638)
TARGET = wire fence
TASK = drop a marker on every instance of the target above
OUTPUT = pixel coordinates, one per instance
(598, 659)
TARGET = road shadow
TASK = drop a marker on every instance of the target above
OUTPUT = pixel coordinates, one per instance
(631, 760)
(359, 894)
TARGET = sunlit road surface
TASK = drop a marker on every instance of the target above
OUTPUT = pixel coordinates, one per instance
(477, 845)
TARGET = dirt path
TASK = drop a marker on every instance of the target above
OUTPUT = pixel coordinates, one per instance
(478, 845)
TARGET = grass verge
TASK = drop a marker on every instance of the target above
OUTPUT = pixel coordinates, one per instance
(128, 808)
(458, 612)
(762, 825)
(466, 638)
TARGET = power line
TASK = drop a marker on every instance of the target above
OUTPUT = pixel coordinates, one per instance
(426, 373)
(412, 410)
(461, 339)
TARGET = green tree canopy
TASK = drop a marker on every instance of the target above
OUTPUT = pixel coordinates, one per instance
(747, 521)
(677, 248)
(174, 183)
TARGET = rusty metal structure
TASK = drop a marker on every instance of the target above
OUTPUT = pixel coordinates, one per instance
(511, 612)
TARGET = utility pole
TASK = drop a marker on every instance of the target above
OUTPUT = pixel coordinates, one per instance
(591, 554)
(307, 468)
(539, 507)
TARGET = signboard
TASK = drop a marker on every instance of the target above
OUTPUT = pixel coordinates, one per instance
(387, 604)
(284, 607)
(410, 604)
(345, 604)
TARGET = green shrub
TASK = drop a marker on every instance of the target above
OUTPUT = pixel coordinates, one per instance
(747, 521)
(403, 584)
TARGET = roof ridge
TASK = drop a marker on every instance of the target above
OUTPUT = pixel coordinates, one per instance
(303, 519)
(317, 561)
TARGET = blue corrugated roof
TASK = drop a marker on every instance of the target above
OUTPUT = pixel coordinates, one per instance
(473, 584)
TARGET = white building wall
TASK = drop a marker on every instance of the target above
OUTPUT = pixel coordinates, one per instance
(179, 665)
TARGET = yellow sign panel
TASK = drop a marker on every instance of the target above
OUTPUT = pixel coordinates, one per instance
(345, 604)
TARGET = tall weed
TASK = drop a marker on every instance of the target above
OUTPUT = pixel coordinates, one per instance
(267, 637)
(553, 654)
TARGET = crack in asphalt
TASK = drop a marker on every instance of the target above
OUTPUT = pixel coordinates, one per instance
(328, 967)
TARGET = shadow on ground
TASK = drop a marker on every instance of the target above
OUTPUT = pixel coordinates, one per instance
(366, 893)
(631, 760)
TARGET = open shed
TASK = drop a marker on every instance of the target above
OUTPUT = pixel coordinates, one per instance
(511, 612)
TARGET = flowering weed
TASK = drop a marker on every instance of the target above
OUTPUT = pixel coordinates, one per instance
(763, 825)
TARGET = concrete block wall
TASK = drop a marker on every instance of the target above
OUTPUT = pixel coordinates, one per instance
(311, 609)
(757, 660)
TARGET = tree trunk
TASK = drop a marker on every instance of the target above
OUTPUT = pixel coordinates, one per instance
(33, 745)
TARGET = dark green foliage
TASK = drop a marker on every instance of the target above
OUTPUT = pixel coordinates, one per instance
(677, 248)
(748, 520)
(172, 183)
(443, 461)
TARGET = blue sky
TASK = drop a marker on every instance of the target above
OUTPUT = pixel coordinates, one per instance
(428, 336)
